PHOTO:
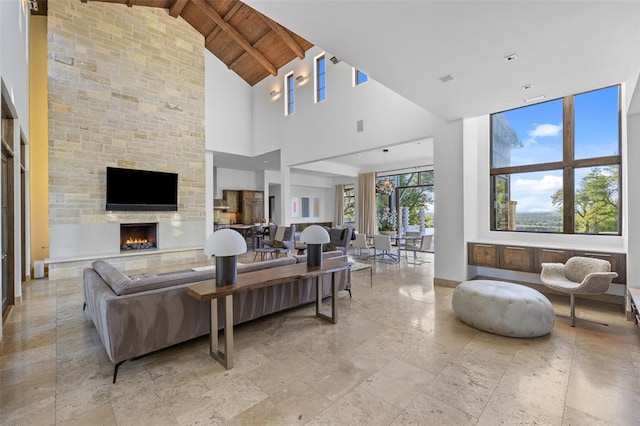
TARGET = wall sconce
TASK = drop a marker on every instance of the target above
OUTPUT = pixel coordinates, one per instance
(274, 93)
(301, 78)
(33, 5)
(334, 60)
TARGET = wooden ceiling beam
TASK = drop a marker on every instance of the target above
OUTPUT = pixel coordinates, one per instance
(176, 8)
(236, 36)
(209, 38)
(244, 54)
(284, 36)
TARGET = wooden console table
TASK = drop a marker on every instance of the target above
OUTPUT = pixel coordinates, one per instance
(207, 290)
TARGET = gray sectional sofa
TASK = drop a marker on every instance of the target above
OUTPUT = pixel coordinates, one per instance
(139, 314)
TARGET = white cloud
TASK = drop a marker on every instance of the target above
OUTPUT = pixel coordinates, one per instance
(535, 205)
(534, 195)
(548, 184)
(544, 130)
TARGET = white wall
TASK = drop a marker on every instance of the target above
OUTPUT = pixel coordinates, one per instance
(14, 31)
(328, 129)
(227, 109)
(236, 179)
(633, 197)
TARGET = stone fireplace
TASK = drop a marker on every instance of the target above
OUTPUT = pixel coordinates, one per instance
(138, 236)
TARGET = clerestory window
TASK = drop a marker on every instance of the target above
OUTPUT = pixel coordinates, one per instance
(289, 94)
(320, 79)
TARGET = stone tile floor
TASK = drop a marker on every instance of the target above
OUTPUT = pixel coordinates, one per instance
(397, 356)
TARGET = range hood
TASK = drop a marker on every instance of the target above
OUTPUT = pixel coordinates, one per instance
(220, 204)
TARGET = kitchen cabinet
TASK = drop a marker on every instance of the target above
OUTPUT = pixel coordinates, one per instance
(247, 205)
(233, 200)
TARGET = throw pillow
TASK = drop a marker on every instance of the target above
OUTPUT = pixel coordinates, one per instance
(278, 244)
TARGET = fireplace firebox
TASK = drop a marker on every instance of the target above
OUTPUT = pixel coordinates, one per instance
(138, 236)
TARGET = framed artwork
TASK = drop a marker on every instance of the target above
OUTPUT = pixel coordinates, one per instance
(295, 207)
(315, 207)
(305, 207)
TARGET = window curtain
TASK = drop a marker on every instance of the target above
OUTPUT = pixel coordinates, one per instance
(367, 203)
(339, 206)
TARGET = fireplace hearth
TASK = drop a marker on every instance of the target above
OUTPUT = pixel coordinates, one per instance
(138, 236)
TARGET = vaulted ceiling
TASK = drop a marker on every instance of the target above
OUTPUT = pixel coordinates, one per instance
(246, 41)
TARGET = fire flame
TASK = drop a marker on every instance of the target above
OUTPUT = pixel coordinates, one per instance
(136, 241)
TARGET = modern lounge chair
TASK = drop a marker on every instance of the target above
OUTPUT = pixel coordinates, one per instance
(580, 275)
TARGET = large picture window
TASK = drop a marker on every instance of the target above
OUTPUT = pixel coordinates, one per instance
(555, 166)
(411, 204)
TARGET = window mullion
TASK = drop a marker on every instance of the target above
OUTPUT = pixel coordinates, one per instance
(568, 185)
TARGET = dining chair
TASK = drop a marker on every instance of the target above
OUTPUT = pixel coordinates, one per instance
(360, 243)
(424, 247)
(382, 243)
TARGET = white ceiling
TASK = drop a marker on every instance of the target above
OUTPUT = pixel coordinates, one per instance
(399, 157)
(267, 161)
(563, 47)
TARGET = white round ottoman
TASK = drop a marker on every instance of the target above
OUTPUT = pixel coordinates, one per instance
(503, 308)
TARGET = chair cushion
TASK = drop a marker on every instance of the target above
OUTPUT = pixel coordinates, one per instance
(503, 308)
(277, 244)
(577, 268)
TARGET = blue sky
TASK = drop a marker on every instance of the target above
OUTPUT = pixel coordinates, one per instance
(539, 128)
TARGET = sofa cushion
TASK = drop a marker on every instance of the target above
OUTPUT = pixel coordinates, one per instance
(301, 258)
(113, 277)
(256, 266)
(122, 284)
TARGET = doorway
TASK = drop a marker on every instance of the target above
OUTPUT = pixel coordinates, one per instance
(7, 254)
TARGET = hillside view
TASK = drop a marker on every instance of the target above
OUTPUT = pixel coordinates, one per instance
(539, 222)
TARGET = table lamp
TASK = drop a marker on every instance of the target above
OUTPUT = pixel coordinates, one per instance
(314, 236)
(225, 245)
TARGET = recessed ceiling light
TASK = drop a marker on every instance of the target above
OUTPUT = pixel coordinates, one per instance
(356, 155)
(534, 99)
(527, 86)
(446, 78)
(511, 58)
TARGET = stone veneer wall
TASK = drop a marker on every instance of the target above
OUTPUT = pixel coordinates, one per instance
(126, 89)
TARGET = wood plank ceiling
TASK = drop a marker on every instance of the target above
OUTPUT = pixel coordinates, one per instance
(246, 41)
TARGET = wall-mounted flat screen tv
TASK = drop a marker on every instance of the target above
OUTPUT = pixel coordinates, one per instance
(141, 190)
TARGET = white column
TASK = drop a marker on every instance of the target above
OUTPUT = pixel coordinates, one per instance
(285, 195)
(633, 199)
(209, 193)
(450, 262)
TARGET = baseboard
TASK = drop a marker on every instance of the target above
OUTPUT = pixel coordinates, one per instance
(442, 282)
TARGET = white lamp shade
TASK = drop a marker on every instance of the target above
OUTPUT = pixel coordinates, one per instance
(225, 242)
(314, 234)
